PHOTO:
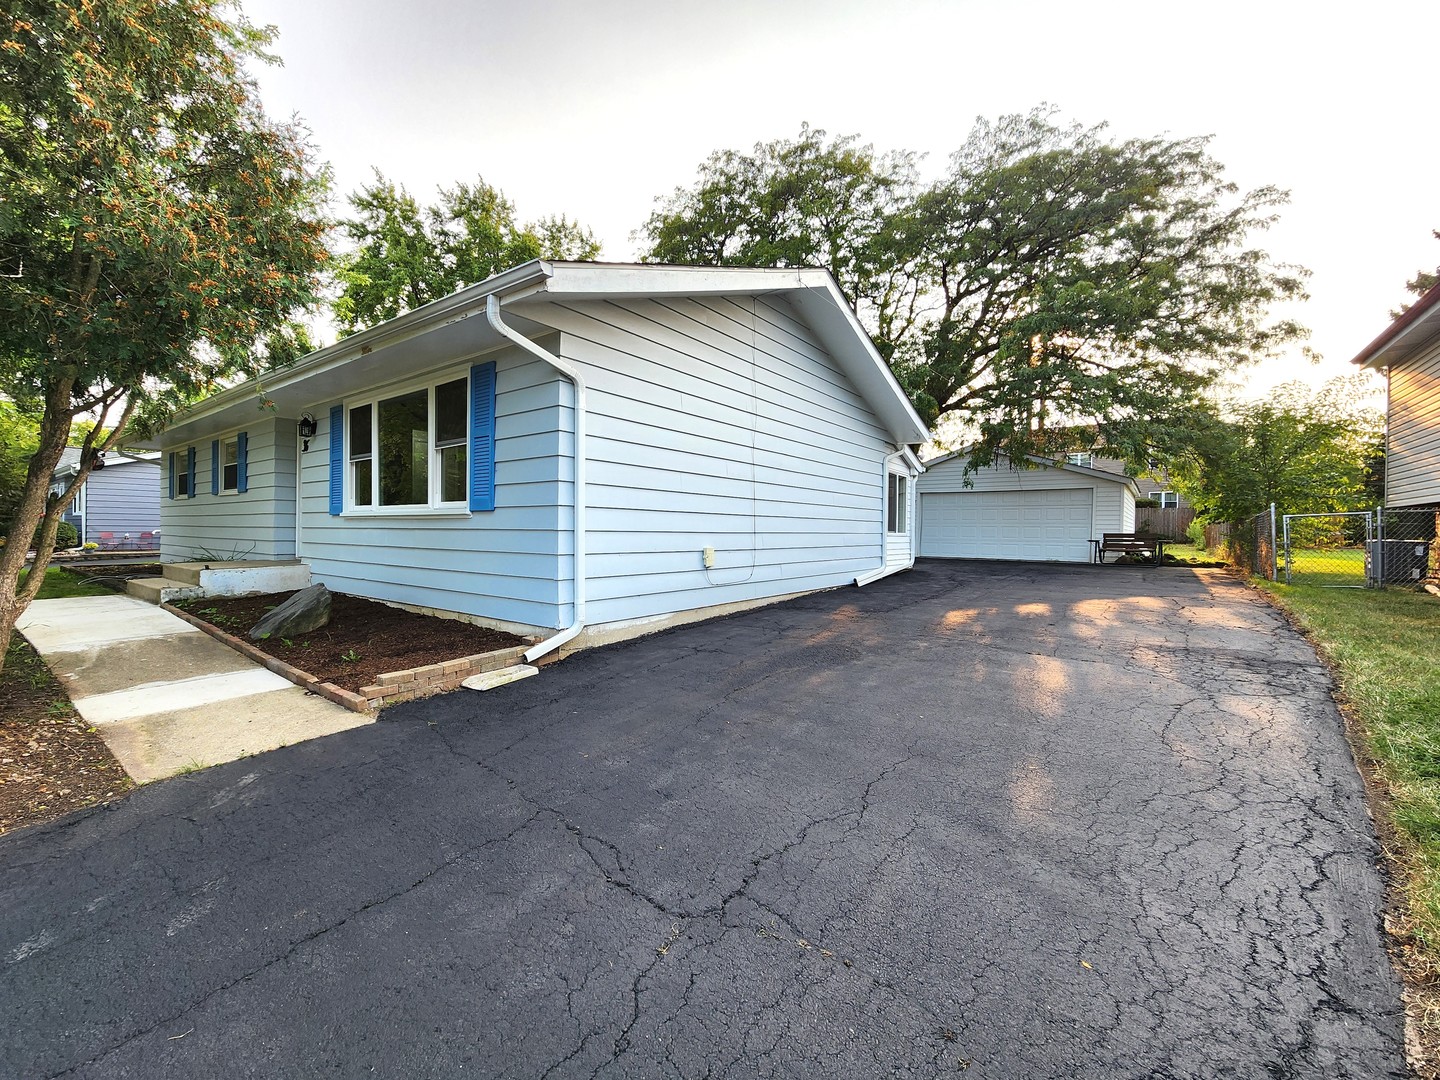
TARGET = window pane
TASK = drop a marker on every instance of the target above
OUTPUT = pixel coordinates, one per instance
(231, 480)
(362, 473)
(450, 413)
(360, 432)
(405, 450)
(452, 473)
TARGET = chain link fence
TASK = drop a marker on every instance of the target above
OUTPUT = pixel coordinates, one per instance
(1249, 543)
(1375, 549)
(1404, 551)
(1330, 550)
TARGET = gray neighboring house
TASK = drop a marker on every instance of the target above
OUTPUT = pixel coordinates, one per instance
(1407, 353)
(118, 506)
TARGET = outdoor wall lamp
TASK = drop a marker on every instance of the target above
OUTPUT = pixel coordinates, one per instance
(308, 427)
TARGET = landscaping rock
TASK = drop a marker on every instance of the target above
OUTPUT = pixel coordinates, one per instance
(308, 609)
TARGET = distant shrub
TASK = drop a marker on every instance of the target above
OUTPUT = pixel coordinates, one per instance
(1196, 532)
(66, 536)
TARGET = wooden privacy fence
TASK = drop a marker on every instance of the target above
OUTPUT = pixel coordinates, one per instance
(1171, 521)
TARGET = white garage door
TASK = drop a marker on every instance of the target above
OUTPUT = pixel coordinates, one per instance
(1035, 525)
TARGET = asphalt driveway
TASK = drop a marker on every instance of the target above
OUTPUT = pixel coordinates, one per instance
(1015, 821)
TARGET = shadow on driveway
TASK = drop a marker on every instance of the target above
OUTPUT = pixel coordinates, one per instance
(1023, 820)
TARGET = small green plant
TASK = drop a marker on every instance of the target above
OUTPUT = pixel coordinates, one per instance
(350, 656)
(58, 707)
(287, 643)
(214, 555)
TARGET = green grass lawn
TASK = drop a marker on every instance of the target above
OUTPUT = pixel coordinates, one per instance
(1385, 645)
(1332, 566)
(60, 582)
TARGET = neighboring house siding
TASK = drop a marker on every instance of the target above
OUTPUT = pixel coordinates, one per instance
(1413, 457)
(719, 423)
(121, 498)
(510, 564)
(1114, 506)
(258, 523)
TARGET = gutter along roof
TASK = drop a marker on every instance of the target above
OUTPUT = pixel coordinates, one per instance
(454, 328)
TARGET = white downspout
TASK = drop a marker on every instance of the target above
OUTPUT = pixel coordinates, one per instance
(492, 312)
(883, 570)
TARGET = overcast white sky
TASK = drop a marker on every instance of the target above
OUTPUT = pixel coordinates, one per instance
(592, 108)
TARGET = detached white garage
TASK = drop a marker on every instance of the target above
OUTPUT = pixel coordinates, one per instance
(1049, 513)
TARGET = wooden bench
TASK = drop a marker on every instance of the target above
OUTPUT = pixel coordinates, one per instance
(1130, 544)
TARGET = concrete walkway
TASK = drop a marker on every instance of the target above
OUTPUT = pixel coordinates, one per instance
(165, 697)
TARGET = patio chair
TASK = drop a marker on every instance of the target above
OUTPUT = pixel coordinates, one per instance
(107, 541)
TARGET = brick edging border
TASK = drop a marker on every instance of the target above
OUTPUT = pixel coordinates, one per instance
(303, 679)
(389, 688)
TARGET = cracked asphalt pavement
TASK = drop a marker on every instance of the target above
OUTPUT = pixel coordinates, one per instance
(994, 819)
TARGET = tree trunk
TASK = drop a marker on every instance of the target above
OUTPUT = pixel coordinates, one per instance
(54, 433)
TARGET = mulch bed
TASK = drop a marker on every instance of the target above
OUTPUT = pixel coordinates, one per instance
(51, 761)
(363, 639)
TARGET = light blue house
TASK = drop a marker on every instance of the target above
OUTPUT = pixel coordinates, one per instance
(118, 506)
(575, 447)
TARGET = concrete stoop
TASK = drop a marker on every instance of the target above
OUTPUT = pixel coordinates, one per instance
(184, 580)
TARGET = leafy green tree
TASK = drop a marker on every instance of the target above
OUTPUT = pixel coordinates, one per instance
(155, 225)
(1053, 281)
(19, 437)
(406, 255)
(1308, 452)
(802, 202)
(1420, 284)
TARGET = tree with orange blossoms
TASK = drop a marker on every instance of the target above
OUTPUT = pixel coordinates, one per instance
(155, 225)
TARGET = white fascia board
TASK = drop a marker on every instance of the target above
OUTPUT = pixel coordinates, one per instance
(600, 281)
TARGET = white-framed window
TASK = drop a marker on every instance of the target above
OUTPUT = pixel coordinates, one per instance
(230, 465)
(183, 479)
(895, 496)
(409, 450)
(1085, 461)
(1165, 499)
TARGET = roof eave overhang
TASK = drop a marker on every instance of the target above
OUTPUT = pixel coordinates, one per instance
(1417, 330)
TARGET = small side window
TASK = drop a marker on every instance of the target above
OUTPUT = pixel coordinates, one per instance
(895, 495)
(230, 466)
(362, 469)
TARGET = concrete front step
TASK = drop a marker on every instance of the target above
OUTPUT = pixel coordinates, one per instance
(181, 581)
(161, 590)
(201, 573)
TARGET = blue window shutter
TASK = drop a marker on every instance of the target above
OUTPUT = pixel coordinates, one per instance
(172, 474)
(190, 471)
(482, 436)
(242, 461)
(215, 467)
(337, 456)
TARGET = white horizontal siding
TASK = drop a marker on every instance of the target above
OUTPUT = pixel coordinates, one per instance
(512, 564)
(1412, 461)
(719, 423)
(258, 523)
